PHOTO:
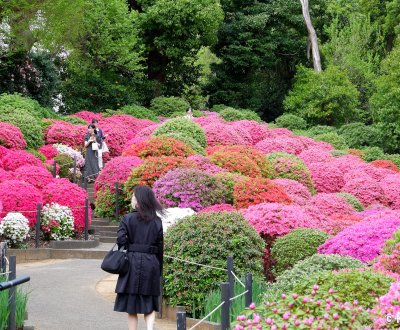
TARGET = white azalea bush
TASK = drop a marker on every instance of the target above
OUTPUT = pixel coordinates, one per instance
(14, 227)
(173, 214)
(57, 222)
(64, 149)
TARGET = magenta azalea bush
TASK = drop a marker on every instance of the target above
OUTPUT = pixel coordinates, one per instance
(289, 145)
(204, 164)
(222, 134)
(391, 190)
(49, 151)
(257, 131)
(66, 133)
(296, 191)
(367, 190)
(88, 116)
(243, 132)
(189, 188)
(327, 177)
(218, 208)
(14, 159)
(315, 155)
(22, 197)
(364, 240)
(11, 136)
(5, 175)
(35, 175)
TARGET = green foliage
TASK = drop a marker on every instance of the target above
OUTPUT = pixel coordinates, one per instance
(165, 106)
(372, 153)
(229, 180)
(352, 200)
(286, 282)
(37, 154)
(291, 122)
(295, 246)
(191, 142)
(362, 285)
(391, 243)
(336, 140)
(138, 111)
(321, 129)
(73, 120)
(18, 101)
(338, 153)
(208, 239)
(105, 203)
(231, 114)
(185, 127)
(65, 162)
(395, 158)
(326, 97)
(360, 135)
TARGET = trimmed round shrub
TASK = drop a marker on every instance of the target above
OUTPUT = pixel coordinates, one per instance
(295, 246)
(229, 180)
(287, 166)
(289, 145)
(291, 122)
(208, 239)
(222, 134)
(36, 176)
(236, 163)
(14, 227)
(232, 114)
(65, 163)
(204, 164)
(56, 221)
(327, 177)
(337, 141)
(299, 193)
(361, 285)
(183, 126)
(138, 111)
(218, 208)
(159, 146)
(105, 202)
(352, 200)
(189, 188)
(66, 133)
(165, 106)
(22, 197)
(252, 191)
(11, 137)
(65, 193)
(188, 140)
(359, 135)
(14, 159)
(372, 153)
(49, 151)
(314, 264)
(366, 190)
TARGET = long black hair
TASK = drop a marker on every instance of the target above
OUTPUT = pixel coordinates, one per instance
(94, 127)
(147, 203)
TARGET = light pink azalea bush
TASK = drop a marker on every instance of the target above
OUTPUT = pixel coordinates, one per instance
(147, 131)
(329, 204)
(388, 309)
(22, 197)
(11, 137)
(315, 155)
(296, 191)
(14, 159)
(327, 177)
(35, 175)
(204, 164)
(49, 151)
(222, 134)
(258, 132)
(280, 144)
(367, 190)
(310, 143)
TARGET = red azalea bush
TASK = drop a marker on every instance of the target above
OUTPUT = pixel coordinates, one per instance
(20, 197)
(366, 190)
(299, 193)
(327, 178)
(14, 159)
(66, 133)
(36, 176)
(222, 134)
(160, 146)
(11, 136)
(391, 190)
(252, 191)
(387, 164)
(315, 155)
(116, 170)
(236, 163)
(49, 151)
(287, 166)
(63, 192)
(204, 164)
(88, 116)
(281, 144)
(218, 208)
(133, 141)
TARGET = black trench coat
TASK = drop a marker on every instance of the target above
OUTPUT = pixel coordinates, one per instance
(145, 269)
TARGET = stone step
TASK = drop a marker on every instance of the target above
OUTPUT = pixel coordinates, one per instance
(108, 239)
(100, 222)
(108, 234)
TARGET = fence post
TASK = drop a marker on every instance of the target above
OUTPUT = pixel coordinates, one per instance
(3, 253)
(231, 278)
(11, 293)
(225, 296)
(249, 288)
(74, 169)
(86, 219)
(180, 320)
(54, 169)
(116, 201)
(85, 182)
(37, 226)
(160, 313)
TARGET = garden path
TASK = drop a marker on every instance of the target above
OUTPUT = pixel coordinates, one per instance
(68, 295)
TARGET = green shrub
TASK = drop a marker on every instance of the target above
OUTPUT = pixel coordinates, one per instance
(321, 129)
(138, 111)
(65, 162)
(196, 113)
(73, 120)
(165, 106)
(286, 282)
(188, 140)
(338, 153)
(229, 180)
(208, 239)
(295, 246)
(363, 285)
(105, 203)
(231, 114)
(291, 122)
(360, 135)
(37, 154)
(352, 200)
(326, 97)
(395, 158)
(183, 126)
(29, 124)
(370, 154)
(337, 141)
(17, 101)
(218, 107)
(391, 243)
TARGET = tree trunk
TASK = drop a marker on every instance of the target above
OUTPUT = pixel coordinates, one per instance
(312, 35)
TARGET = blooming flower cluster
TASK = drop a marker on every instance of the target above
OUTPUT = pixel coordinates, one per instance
(315, 155)
(387, 164)
(66, 133)
(64, 149)
(367, 190)
(88, 116)
(327, 178)
(331, 204)
(299, 193)
(391, 190)
(222, 134)
(204, 164)
(14, 159)
(387, 311)
(290, 145)
(57, 222)
(14, 227)
(35, 175)
(219, 208)
(49, 151)
(236, 163)
(11, 136)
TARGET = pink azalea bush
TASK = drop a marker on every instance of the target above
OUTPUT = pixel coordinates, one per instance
(367, 190)
(3, 151)
(117, 136)
(189, 188)
(147, 131)
(346, 163)
(364, 240)
(49, 151)
(66, 133)
(218, 208)
(388, 309)
(310, 143)
(211, 117)
(222, 134)
(204, 164)
(5, 175)
(329, 204)
(36, 176)
(135, 140)
(315, 155)
(130, 122)
(11, 136)
(22, 197)
(391, 190)
(116, 170)
(257, 131)
(389, 261)
(14, 159)
(296, 191)
(281, 144)
(243, 132)
(327, 178)
(63, 192)
(88, 116)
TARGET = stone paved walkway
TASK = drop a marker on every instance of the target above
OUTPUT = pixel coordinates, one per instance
(73, 294)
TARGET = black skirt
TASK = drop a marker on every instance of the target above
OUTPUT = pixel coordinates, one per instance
(136, 303)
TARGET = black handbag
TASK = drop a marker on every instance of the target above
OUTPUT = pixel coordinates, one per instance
(116, 262)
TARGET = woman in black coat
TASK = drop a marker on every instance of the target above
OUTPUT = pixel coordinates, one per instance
(141, 232)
